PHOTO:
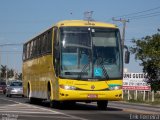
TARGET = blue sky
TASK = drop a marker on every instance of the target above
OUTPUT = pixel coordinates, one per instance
(20, 20)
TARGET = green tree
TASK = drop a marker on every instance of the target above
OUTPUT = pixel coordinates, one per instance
(3, 71)
(20, 76)
(10, 73)
(147, 50)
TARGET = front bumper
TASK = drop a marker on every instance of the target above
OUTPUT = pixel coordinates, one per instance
(16, 92)
(76, 95)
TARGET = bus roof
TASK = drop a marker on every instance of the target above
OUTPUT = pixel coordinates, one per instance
(84, 23)
(80, 23)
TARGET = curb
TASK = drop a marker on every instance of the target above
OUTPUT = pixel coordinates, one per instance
(138, 104)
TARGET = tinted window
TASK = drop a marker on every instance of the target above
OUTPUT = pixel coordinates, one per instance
(2, 83)
(16, 84)
(38, 46)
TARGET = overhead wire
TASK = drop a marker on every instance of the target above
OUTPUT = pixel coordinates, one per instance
(11, 52)
(141, 14)
(148, 16)
(145, 14)
(11, 44)
(135, 13)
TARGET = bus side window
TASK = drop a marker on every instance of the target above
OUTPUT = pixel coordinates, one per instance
(49, 41)
(28, 50)
(39, 45)
(44, 47)
(24, 51)
(31, 49)
(34, 47)
(56, 52)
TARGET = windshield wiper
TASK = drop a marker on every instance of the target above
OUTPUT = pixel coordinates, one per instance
(83, 70)
(100, 62)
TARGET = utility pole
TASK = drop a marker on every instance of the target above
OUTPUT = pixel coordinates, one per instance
(124, 27)
(123, 21)
(2, 45)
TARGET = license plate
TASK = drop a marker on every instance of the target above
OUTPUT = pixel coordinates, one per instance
(92, 96)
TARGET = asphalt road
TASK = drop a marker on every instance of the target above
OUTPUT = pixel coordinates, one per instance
(18, 108)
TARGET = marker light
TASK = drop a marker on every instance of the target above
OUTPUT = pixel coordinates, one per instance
(67, 87)
(117, 87)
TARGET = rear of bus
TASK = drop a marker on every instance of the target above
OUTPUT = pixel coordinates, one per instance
(88, 62)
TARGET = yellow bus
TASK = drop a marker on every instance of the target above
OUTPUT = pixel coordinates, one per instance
(74, 61)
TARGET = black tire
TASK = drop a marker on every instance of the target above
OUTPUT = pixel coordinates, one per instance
(69, 103)
(10, 95)
(51, 102)
(4, 92)
(102, 105)
(28, 90)
(55, 104)
(31, 100)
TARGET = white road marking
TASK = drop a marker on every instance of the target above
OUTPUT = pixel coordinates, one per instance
(37, 116)
(22, 109)
(9, 100)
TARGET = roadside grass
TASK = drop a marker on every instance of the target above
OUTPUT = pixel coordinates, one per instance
(140, 98)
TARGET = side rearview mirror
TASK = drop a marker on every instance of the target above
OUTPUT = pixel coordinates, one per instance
(127, 56)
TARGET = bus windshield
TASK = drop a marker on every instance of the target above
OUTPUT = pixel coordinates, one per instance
(90, 53)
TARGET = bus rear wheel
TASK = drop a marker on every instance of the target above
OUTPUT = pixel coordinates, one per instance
(49, 95)
(102, 105)
(31, 100)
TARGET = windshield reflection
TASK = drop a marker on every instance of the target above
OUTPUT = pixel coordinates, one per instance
(90, 53)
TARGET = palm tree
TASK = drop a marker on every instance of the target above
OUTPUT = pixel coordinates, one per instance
(3, 71)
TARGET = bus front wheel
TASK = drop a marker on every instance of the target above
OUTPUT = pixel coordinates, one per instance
(102, 105)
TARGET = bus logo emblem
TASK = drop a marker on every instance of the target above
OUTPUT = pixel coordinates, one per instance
(92, 87)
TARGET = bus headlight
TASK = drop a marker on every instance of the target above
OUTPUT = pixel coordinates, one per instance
(67, 87)
(117, 87)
